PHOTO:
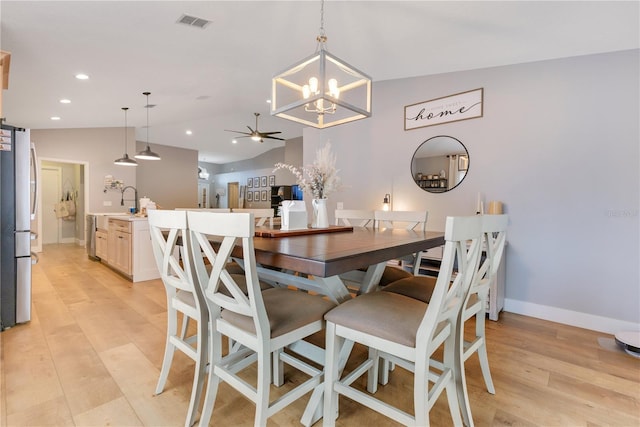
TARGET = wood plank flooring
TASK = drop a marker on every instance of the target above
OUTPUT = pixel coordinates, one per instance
(92, 353)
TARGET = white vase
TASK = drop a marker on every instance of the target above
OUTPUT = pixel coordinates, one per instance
(320, 216)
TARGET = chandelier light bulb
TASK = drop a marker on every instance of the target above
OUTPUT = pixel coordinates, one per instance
(313, 85)
(333, 88)
(306, 91)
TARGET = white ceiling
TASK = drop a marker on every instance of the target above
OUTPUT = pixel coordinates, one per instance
(212, 79)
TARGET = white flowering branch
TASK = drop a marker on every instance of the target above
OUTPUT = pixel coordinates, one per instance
(321, 178)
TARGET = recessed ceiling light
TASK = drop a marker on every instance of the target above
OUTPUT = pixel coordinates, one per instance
(188, 132)
(65, 101)
(82, 77)
(55, 118)
(234, 141)
(268, 101)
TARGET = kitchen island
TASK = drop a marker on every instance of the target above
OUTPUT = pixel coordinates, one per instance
(123, 243)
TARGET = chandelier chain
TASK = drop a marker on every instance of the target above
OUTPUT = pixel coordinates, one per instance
(322, 37)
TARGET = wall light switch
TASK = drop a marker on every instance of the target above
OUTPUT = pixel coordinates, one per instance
(106, 203)
(340, 205)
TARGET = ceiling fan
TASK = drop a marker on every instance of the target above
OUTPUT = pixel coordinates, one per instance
(256, 135)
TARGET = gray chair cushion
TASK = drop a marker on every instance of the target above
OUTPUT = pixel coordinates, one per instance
(392, 274)
(387, 315)
(238, 275)
(286, 309)
(416, 287)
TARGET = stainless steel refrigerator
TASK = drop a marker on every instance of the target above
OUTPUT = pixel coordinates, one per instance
(18, 183)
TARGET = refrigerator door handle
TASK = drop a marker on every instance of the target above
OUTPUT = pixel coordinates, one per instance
(35, 182)
(34, 258)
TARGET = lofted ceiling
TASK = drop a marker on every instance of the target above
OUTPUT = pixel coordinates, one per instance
(211, 79)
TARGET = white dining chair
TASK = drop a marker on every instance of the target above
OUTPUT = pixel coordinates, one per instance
(354, 217)
(261, 323)
(184, 296)
(408, 332)
(494, 229)
(409, 220)
(261, 215)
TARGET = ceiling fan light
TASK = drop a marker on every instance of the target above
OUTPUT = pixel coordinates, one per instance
(255, 138)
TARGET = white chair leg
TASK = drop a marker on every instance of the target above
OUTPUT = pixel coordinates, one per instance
(484, 365)
(331, 369)
(456, 387)
(373, 374)
(278, 369)
(383, 370)
(482, 353)
(420, 386)
(199, 373)
(213, 381)
(169, 349)
(452, 398)
(461, 390)
(263, 385)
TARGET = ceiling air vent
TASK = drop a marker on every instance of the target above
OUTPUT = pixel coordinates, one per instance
(193, 21)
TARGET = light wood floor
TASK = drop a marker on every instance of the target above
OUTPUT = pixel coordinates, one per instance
(91, 356)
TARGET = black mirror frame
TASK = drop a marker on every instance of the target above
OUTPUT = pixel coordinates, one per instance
(436, 190)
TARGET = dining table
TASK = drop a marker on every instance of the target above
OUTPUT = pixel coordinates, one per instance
(318, 260)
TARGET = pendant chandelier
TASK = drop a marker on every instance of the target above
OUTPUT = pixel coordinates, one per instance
(125, 160)
(321, 90)
(147, 154)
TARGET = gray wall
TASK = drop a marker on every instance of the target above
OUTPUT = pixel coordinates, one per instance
(558, 144)
(98, 147)
(170, 182)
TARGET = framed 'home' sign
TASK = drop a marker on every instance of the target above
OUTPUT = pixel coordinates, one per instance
(452, 108)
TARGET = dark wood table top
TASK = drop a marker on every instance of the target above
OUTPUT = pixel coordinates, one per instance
(330, 254)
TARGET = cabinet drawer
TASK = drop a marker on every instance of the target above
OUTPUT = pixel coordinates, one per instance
(119, 225)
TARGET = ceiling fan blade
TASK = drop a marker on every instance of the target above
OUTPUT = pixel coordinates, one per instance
(251, 130)
(269, 133)
(273, 137)
(237, 131)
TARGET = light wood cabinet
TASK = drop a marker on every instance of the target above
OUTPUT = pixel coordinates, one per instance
(129, 249)
(119, 246)
(102, 244)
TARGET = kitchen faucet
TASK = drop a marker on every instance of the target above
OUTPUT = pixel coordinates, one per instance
(134, 195)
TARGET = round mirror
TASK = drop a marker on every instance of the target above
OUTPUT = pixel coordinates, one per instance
(440, 164)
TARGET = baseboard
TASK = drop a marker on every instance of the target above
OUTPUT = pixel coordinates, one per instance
(568, 317)
(68, 240)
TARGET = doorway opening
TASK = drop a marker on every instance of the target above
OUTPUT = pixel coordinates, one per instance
(63, 203)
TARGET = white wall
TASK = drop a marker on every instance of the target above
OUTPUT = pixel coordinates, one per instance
(558, 144)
